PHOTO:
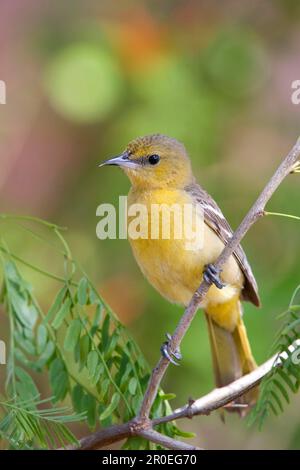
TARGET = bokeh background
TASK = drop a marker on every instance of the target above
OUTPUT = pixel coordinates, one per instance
(83, 78)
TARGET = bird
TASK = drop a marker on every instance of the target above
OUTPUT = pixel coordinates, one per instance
(160, 173)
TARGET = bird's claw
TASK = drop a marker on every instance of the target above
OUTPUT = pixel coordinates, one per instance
(212, 276)
(296, 168)
(168, 354)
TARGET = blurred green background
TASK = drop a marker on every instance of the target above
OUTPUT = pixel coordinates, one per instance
(85, 77)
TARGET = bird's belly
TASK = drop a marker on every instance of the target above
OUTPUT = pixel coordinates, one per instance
(176, 271)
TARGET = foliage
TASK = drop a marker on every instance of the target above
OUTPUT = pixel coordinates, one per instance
(90, 360)
(25, 425)
(284, 376)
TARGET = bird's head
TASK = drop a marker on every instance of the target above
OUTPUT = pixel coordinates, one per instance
(155, 161)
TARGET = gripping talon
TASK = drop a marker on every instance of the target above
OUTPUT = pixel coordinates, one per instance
(212, 276)
(165, 350)
(296, 168)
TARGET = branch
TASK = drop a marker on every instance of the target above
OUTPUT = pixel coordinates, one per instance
(253, 215)
(220, 397)
(104, 437)
(166, 441)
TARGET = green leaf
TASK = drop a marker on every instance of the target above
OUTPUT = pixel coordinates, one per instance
(46, 354)
(105, 332)
(110, 409)
(61, 314)
(282, 389)
(104, 388)
(90, 406)
(126, 374)
(25, 384)
(59, 380)
(94, 296)
(21, 357)
(112, 342)
(271, 405)
(41, 339)
(25, 344)
(77, 398)
(187, 435)
(84, 348)
(277, 400)
(82, 291)
(25, 312)
(11, 272)
(56, 304)
(92, 363)
(97, 375)
(132, 385)
(62, 386)
(123, 364)
(167, 396)
(72, 335)
(291, 326)
(98, 315)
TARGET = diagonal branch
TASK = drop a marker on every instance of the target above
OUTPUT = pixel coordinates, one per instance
(256, 211)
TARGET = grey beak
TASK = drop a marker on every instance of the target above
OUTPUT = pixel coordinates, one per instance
(121, 160)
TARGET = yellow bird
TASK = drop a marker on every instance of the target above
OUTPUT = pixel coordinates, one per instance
(160, 172)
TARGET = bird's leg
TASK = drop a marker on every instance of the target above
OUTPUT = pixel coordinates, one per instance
(212, 276)
(168, 354)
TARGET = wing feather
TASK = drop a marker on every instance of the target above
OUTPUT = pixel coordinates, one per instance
(217, 222)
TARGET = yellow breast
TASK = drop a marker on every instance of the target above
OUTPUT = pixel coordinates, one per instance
(174, 265)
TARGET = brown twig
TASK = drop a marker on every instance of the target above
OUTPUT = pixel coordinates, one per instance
(105, 437)
(142, 425)
(165, 441)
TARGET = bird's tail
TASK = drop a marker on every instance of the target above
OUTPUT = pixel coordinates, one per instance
(232, 358)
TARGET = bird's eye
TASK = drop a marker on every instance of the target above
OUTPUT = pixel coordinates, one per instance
(153, 159)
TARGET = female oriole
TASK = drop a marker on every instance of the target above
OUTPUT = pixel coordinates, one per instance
(160, 173)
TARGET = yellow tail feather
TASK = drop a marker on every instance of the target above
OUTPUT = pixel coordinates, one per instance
(232, 357)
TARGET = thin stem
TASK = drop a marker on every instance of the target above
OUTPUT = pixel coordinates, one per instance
(35, 268)
(289, 216)
(38, 237)
(68, 253)
(31, 218)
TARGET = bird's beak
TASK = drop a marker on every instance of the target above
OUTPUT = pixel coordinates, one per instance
(121, 160)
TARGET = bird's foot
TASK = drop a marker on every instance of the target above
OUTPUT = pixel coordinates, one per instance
(168, 353)
(212, 276)
(296, 168)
